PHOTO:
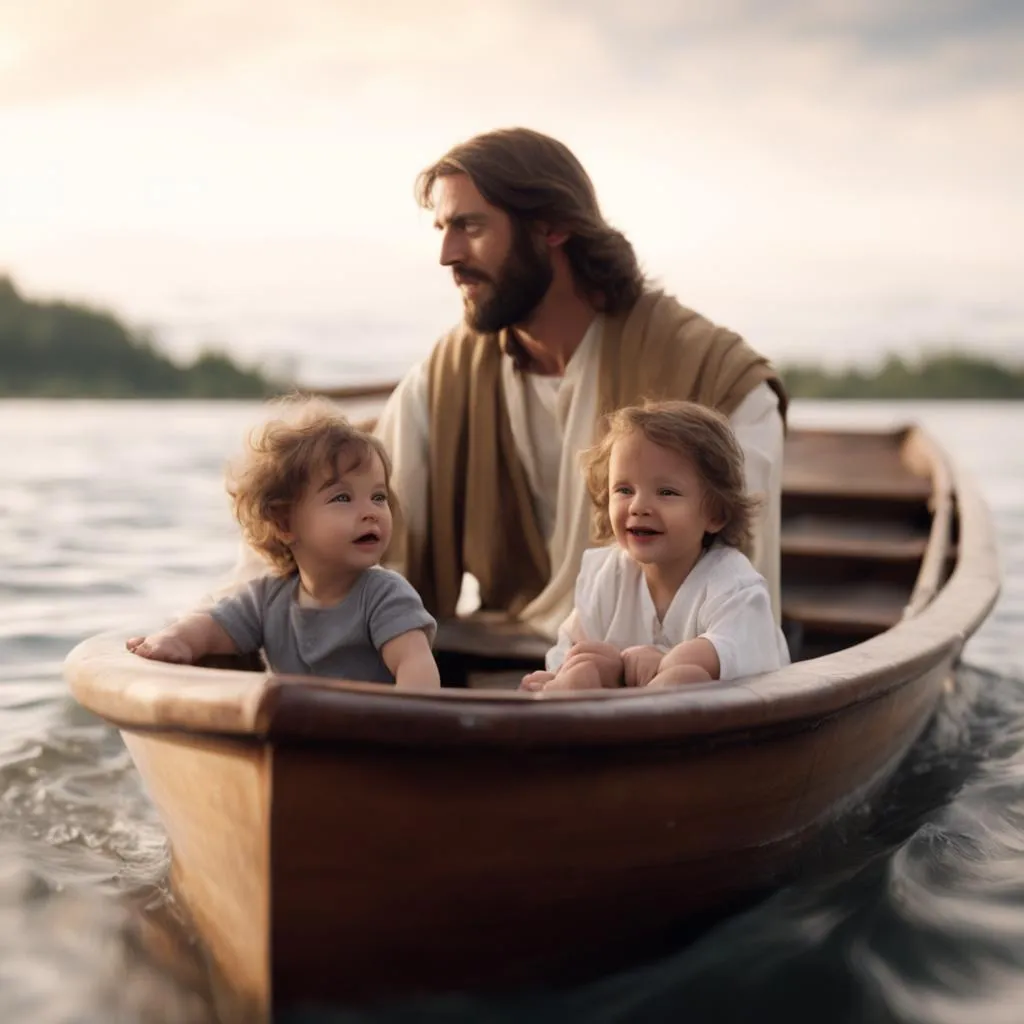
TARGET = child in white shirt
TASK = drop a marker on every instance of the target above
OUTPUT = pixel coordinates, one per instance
(674, 599)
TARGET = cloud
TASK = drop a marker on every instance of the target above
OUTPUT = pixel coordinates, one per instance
(60, 48)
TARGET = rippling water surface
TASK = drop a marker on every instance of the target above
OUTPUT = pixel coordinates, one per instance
(113, 515)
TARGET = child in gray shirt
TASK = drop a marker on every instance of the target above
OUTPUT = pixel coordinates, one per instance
(313, 497)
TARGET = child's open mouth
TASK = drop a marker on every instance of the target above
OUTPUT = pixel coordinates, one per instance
(643, 532)
(367, 540)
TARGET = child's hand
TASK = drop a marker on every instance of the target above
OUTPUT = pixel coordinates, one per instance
(161, 647)
(641, 664)
(536, 680)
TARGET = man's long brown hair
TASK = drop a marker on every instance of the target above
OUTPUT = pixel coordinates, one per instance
(536, 179)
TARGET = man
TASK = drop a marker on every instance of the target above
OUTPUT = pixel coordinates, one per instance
(560, 328)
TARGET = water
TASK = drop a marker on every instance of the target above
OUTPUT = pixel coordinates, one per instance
(113, 516)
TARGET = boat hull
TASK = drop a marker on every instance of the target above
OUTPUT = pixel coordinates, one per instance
(351, 873)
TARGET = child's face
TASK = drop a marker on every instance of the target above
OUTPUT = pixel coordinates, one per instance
(342, 520)
(656, 504)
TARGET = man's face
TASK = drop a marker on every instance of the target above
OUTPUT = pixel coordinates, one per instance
(502, 270)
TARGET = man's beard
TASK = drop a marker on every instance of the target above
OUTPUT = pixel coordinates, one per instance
(521, 284)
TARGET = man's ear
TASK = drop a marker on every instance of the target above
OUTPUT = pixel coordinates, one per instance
(552, 237)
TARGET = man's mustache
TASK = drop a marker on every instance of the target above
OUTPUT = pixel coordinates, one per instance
(464, 275)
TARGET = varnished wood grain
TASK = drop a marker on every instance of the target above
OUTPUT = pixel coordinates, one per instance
(213, 796)
(545, 865)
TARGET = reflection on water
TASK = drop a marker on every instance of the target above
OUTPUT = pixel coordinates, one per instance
(113, 516)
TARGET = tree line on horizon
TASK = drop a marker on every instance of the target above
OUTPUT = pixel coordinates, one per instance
(64, 350)
(940, 374)
(61, 350)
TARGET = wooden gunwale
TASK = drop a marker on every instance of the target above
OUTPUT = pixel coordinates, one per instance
(918, 449)
(146, 696)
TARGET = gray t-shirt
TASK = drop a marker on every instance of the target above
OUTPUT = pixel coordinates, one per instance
(342, 641)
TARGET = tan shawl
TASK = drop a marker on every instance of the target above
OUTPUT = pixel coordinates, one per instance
(480, 514)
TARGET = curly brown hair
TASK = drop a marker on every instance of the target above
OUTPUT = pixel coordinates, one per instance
(535, 178)
(694, 432)
(282, 455)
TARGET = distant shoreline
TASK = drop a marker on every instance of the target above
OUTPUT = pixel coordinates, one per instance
(938, 375)
(61, 350)
(57, 350)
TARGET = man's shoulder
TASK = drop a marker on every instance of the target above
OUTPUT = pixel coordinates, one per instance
(659, 307)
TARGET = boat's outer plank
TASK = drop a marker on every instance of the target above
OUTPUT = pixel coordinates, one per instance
(485, 868)
(214, 797)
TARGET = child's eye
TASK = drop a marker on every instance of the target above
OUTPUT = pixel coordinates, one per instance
(380, 498)
(623, 489)
(341, 497)
(667, 492)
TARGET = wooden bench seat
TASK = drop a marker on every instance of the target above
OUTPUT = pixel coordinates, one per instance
(490, 635)
(811, 536)
(856, 466)
(855, 608)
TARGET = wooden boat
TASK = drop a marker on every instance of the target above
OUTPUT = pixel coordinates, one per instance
(342, 842)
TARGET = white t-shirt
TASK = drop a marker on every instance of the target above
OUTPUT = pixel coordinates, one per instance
(724, 600)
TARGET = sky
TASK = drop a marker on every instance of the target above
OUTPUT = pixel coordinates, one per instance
(835, 179)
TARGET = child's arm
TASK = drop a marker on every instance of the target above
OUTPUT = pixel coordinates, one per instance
(739, 636)
(402, 630)
(184, 641)
(569, 633)
(700, 653)
(581, 659)
(591, 665)
(410, 660)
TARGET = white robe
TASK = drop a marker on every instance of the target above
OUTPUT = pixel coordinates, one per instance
(724, 600)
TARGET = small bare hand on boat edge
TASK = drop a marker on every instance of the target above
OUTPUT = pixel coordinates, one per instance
(161, 648)
(641, 664)
(590, 665)
(536, 680)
